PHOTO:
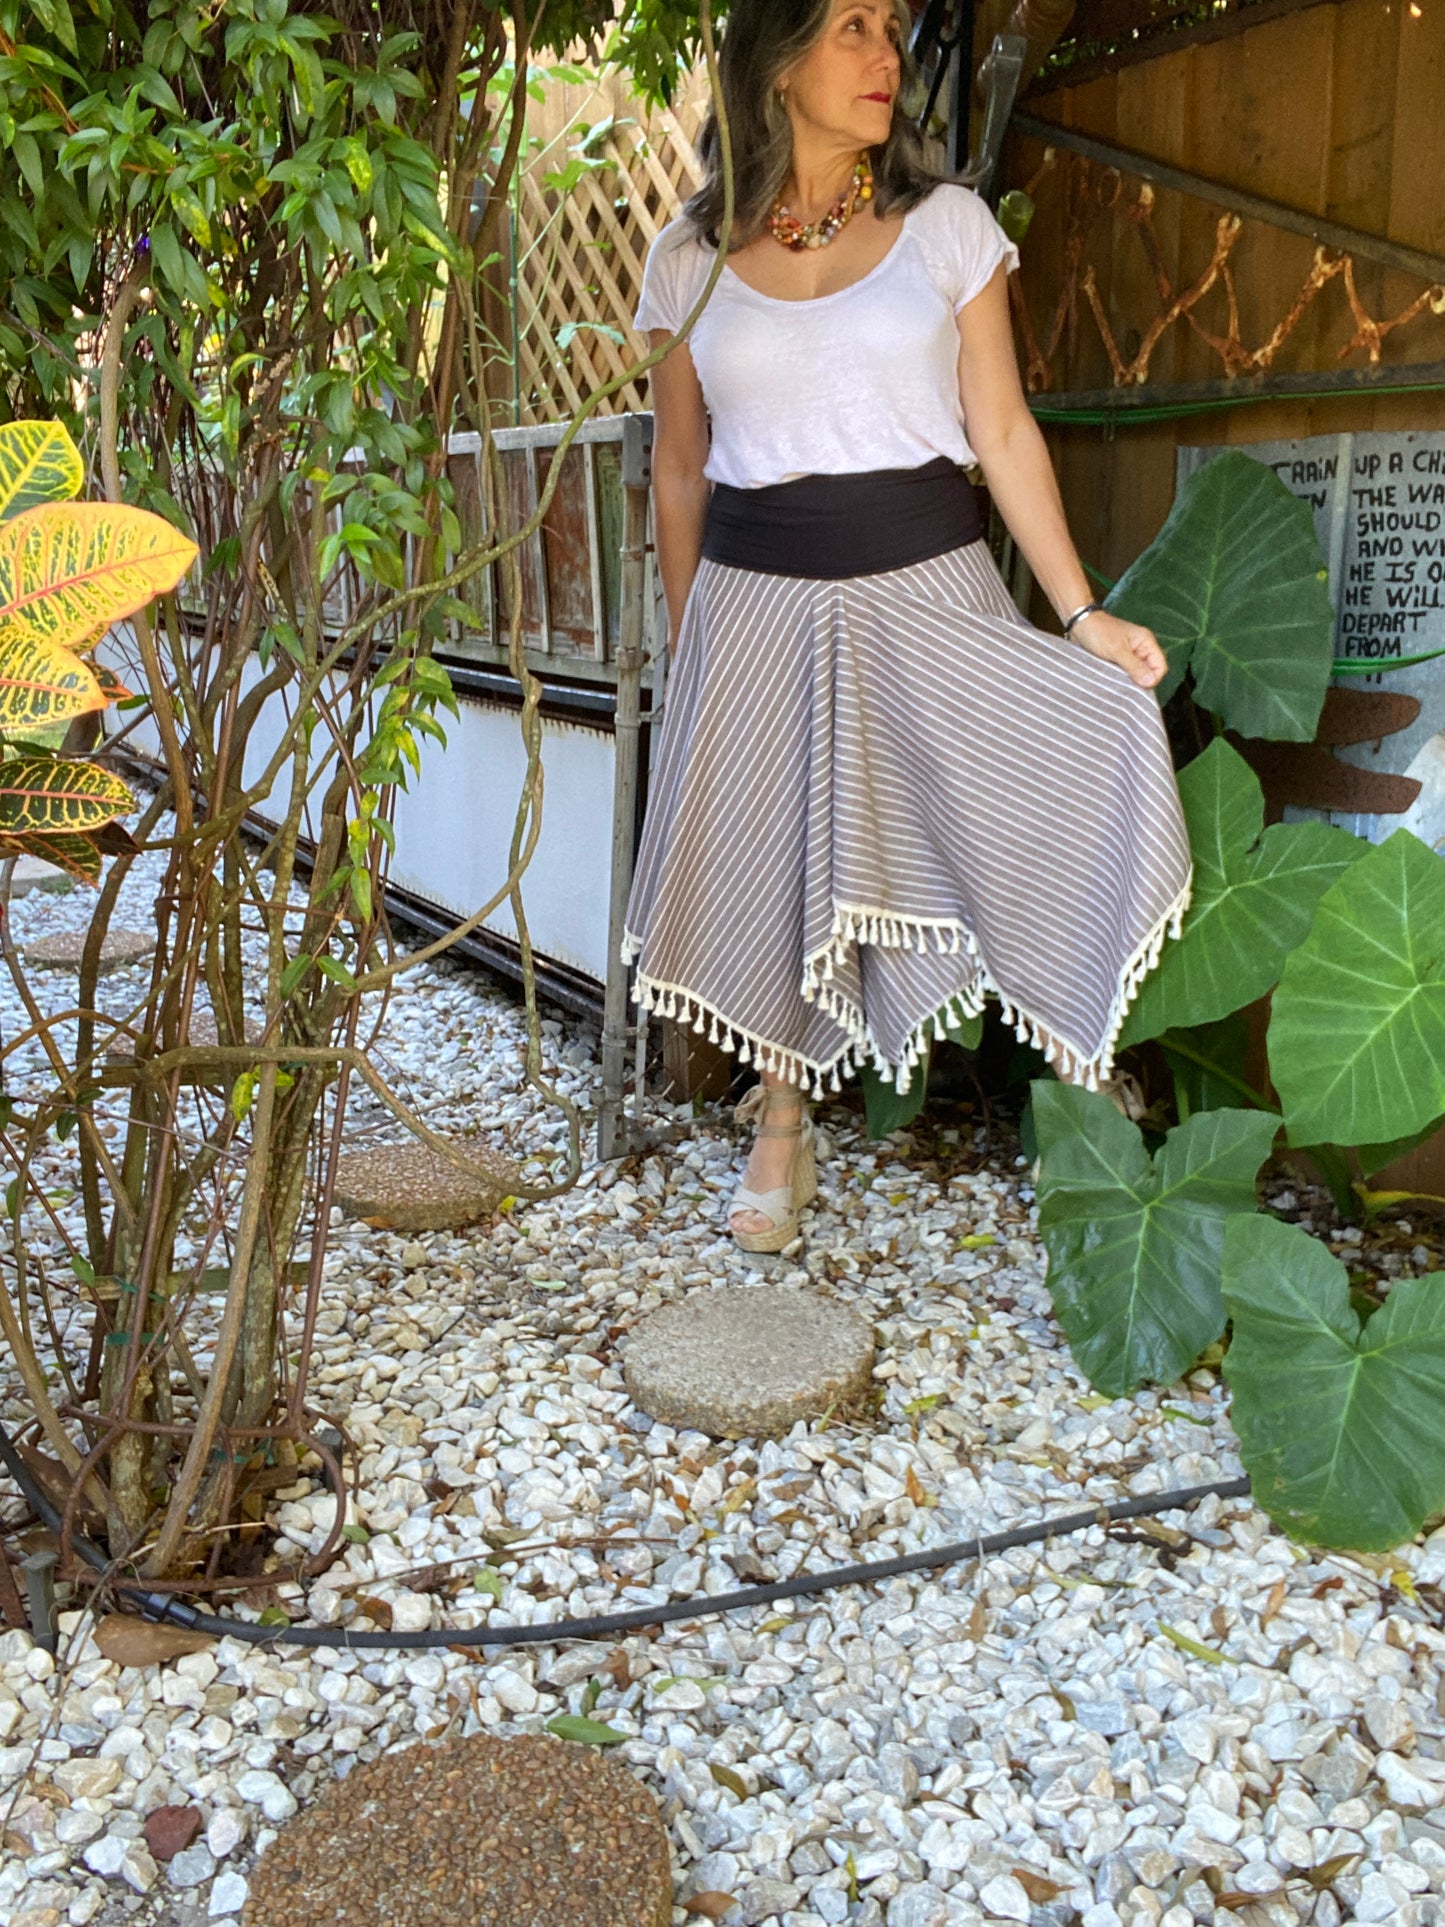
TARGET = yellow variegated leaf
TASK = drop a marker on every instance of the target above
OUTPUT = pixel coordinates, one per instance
(52, 795)
(71, 568)
(74, 853)
(111, 686)
(41, 683)
(38, 463)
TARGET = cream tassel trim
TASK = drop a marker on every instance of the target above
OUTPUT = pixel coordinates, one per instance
(854, 923)
(681, 1005)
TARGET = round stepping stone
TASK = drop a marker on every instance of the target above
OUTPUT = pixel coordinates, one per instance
(412, 1188)
(747, 1361)
(63, 950)
(34, 873)
(204, 1035)
(478, 1832)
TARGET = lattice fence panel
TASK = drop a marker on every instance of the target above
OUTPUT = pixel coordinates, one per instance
(579, 256)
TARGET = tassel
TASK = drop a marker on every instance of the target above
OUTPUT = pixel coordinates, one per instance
(837, 1086)
(745, 1055)
(699, 1027)
(712, 1034)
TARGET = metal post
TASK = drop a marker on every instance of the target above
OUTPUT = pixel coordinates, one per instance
(612, 1134)
(960, 87)
(39, 1571)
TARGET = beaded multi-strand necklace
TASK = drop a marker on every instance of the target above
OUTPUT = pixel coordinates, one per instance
(796, 234)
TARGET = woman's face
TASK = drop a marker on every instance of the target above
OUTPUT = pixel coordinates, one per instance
(847, 83)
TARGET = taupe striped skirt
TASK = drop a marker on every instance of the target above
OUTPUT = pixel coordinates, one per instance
(878, 799)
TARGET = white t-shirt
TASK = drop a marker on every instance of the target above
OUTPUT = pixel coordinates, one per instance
(860, 379)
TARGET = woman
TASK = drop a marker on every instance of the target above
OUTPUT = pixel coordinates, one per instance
(880, 792)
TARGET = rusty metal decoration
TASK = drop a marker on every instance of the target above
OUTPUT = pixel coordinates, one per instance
(1093, 192)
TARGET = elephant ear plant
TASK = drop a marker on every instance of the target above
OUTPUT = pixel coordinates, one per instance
(1157, 1252)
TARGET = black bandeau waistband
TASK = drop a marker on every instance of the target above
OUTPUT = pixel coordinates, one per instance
(833, 526)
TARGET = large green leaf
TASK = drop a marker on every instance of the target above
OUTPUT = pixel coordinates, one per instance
(1255, 891)
(1236, 589)
(1134, 1242)
(49, 795)
(1357, 1025)
(38, 463)
(1339, 1424)
(1208, 1064)
(1374, 1157)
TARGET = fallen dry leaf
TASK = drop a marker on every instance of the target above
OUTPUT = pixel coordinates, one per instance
(913, 1485)
(127, 1641)
(748, 1566)
(377, 1610)
(434, 1578)
(1273, 1603)
(1036, 1885)
(977, 1621)
(712, 1905)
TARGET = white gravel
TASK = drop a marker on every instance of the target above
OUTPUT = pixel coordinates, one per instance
(1029, 1742)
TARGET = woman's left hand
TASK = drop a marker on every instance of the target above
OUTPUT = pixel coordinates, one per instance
(1135, 648)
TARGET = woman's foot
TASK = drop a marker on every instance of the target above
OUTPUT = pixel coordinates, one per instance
(780, 1169)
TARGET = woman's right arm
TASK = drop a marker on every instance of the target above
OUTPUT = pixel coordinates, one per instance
(679, 487)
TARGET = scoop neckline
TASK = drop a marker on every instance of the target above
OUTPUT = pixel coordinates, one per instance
(817, 300)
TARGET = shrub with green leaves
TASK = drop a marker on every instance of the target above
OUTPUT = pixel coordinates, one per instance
(249, 260)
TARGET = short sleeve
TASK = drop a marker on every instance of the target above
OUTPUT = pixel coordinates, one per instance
(669, 279)
(971, 243)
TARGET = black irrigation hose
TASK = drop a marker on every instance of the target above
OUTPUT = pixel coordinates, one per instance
(162, 1606)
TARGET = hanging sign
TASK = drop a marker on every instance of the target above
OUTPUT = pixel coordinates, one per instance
(1378, 500)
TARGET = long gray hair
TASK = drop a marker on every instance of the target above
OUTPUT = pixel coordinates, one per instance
(761, 40)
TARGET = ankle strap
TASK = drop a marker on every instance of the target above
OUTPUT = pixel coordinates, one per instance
(757, 1102)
